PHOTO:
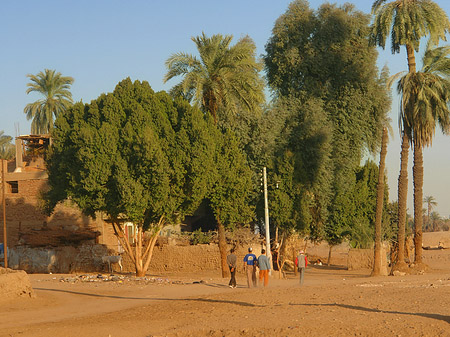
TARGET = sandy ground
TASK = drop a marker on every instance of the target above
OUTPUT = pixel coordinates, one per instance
(332, 302)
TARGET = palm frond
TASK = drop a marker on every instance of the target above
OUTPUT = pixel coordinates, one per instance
(407, 22)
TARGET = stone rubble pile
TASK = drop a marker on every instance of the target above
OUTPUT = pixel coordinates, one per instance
(120, 279)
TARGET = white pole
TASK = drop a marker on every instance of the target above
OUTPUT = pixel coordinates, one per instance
(5, 242)
(266, 220)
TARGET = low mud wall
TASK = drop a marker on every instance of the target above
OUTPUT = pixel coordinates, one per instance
(436, 240)
(88, 258)
(165, 259)
(363, 259)
(68, 259)
(198, 258)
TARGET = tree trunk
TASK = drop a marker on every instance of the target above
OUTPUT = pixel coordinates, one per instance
(281, 256)
(142, 253)
(418, 202)
(402, 197)
(222, 248)
(379, 206)
(276, 235)
(294, 256)
(329, 256)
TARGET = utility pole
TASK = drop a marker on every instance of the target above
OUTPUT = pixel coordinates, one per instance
(5, 244)
(266, 220)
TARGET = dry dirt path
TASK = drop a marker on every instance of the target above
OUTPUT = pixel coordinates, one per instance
(332, 302)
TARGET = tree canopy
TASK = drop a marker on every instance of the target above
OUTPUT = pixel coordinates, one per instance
(323, 59)
(132, 153)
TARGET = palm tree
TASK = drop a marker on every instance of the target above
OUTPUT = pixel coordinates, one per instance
(225, 76)
(431, 202)
(406, 22)
(7, 150)
(379, 205)
(425, 96)
(56, 99)
(385, 126)
(225, 79)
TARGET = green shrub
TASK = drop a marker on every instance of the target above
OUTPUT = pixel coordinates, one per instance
(199, 237)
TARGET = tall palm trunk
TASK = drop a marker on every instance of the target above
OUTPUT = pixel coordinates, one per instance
(411, 58)
(418, 199)
(403, 178)
(210, 101)
(222, 248)
(379, 208)
(417, 178)
(402, 197)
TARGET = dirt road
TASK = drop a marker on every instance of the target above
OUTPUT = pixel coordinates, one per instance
(332, 302)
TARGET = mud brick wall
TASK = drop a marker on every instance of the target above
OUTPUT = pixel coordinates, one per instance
(23, 215)
(198, 258)
(24, 205)
(185, 258)
(28, 189)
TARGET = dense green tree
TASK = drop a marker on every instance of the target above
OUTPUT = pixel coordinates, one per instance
(230, 194)
(7, 149)
(306, 143)
(324, 57)
(56, 98)
(425, 98)
(224, 80)
(406, 22)
(363, 202)
(360, 218)
(293, 141)
(133, 155)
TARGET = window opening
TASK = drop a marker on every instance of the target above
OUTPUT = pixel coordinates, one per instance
(13, 186)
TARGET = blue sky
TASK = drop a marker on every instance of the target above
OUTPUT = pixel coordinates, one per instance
(100, 42)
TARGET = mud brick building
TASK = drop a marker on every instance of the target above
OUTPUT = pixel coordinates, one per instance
(27, 227)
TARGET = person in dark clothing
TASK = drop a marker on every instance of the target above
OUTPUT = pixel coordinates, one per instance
(231, 261)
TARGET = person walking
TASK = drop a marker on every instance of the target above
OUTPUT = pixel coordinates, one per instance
(302, 262)
(250, 266)
(231, 261)
(264, 267)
